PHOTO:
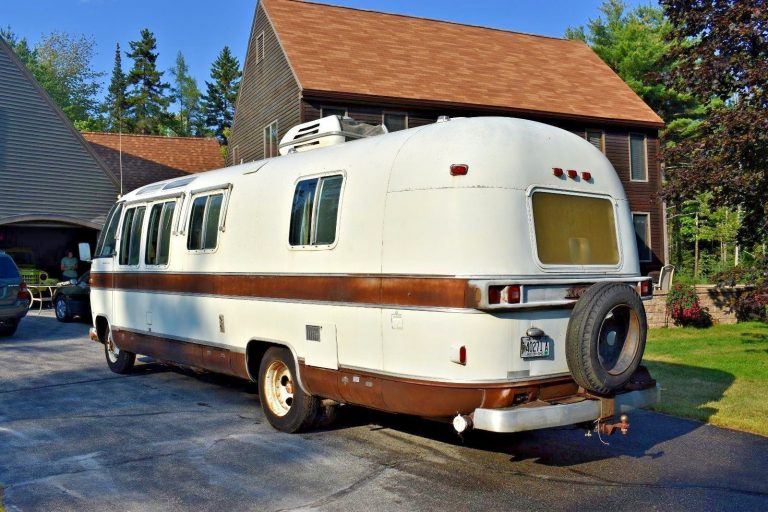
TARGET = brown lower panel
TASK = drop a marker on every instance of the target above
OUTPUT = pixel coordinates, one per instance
(425, 398)
(182, 352)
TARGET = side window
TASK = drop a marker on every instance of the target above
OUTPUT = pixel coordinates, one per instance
(315, 211)
(204, 222)
(595, 137)
(395, 122)
(130, 236)
(642, 225)
(638, 169)
(271, 140)
(105, 248)
(159, 233)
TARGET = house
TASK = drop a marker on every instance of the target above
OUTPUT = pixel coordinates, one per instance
(54, 190)
(307, 60)
(137, 160)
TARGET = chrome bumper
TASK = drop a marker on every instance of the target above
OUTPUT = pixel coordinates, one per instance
(521, 418)
(93, 335)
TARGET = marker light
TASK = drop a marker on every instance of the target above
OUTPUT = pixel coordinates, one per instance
(586, 175)
(504, 294)
(459, 169)
(557, 172)
(572, 174)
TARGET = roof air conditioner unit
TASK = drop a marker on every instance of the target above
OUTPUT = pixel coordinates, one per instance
(327, 131)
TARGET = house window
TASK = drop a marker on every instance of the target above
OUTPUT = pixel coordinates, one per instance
(333, 111)
(638, 165)
(596, 138)
(158, 242)
(204, 222)
(271, 141)
(315, 211)
(260, 48)
(130, 236)
(642, 223)
(235, 154)
(395, 122)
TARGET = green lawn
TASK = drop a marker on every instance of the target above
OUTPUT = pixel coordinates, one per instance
(717, 375)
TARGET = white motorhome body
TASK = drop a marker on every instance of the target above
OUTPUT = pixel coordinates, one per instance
(403, 272)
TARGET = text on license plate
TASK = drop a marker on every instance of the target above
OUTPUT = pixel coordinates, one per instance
(534, 347)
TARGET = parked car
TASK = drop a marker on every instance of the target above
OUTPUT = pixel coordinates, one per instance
(25, 260)
(483, 270)
(14, 297)
(73, 299)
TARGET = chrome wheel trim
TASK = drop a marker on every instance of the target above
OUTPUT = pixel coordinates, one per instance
(618, 339)
(113, 351)
(278, 388)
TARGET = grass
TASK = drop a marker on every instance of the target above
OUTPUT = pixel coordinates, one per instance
(717, 375)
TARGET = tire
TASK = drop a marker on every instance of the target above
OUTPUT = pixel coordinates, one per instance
(287, 407)
(119, 361)
(60, 306)
(9, 328)
(606, 337)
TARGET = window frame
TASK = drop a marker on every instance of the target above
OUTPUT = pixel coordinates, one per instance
(142, 235)
(647, 233)
(264, 139)
(645, 154)
(602, 138)
(313, 225)
(225, 191)
(558, 267)
(176, 210)
(395, 113)
(329, 107)
(116, 211)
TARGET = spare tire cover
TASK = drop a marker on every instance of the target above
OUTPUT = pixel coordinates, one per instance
(606, 337)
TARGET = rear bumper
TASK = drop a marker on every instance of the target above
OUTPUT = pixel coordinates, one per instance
(522, 418)
(93, 335)
(14, 312)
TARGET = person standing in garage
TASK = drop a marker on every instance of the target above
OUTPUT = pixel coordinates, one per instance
(69, 266)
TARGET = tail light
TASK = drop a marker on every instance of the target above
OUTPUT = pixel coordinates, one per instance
(459, 169)
(23, 291)
(504, 294)
(646, 288)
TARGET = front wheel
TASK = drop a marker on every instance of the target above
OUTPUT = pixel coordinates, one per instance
(119, 361)
(287, 407)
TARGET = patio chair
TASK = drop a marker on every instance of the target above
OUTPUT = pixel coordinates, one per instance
(665, 278)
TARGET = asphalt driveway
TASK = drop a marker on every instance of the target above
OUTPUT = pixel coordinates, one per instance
(74, 436)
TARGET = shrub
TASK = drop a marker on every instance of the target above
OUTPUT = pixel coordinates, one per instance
(684, 307)
(753, 305)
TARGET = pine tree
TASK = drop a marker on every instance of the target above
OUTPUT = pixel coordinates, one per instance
(222, 93)
(147, 101)
(187, 95)
(115, 104)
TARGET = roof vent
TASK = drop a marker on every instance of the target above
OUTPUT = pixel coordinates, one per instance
(443, 119)
(327, 131)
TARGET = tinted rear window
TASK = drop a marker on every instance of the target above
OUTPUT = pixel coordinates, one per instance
(7, 268)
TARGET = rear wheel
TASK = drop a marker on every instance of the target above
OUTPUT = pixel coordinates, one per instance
(287, 407)
(8, 328)
(119, 361)
(61, 308)
(606, 337)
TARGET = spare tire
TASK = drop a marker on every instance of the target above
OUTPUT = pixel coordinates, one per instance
(606, 337)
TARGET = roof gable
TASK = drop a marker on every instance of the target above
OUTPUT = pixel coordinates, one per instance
(150, 158)
(357, 52)
(43, 158)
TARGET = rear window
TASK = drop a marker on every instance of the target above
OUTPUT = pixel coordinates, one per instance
(574, 230)
(7, 268)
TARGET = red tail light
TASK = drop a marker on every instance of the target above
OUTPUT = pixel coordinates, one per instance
(646, 288)
(23, 291)
(504, 294)
(463, 355)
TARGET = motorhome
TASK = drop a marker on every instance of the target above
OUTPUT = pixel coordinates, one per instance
(482, 271)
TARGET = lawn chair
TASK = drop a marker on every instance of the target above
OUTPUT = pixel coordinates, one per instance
(665, 278)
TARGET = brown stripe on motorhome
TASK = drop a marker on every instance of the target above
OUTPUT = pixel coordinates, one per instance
(362, 289)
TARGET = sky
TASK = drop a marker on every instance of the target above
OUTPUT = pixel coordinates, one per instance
(201, 28)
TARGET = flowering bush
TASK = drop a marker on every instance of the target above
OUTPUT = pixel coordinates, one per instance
(684, 307)
(753, 305)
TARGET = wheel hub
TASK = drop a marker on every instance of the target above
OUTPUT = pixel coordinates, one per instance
(618, 339)
(278, 388)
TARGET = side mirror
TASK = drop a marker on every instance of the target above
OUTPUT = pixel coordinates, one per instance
(84, 249)
(73, 281)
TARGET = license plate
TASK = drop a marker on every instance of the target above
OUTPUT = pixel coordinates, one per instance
(534, 347)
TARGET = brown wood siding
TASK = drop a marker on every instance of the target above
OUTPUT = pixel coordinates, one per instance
(643, 196)
(268, 92)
